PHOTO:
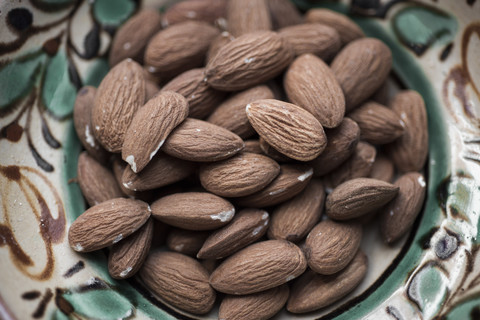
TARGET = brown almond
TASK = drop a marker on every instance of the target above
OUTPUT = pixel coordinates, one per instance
(382, 169)
(219, 41)
(290, 182)
(318, 39)
(283, 13)
(118, 167)
(288, 128)
(151, 89)
(202, 99)
(249, 60)
(238, 176)
(378, 124)
(314, 291)
(150, 126)
(341, 143)
(174, 50)
(410, 151)
(132, 37)
(271, 152)
(330, 246)
(120, 94)
(293, 219)
(246, 227)
(231, 113)
(399, 215)
(198, 10)
(346, 28)
(179, 280)
(127, 256)
(310, 84)
(197, 140)
(246, 16)
(107, 223)
(252, 146)
(361, 68)
(186, 241)
(357, 197)
(96, 182)
(259, 306)
(258, 267)
(193, 210)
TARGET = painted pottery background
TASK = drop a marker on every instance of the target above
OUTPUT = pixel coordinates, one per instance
(50, 48)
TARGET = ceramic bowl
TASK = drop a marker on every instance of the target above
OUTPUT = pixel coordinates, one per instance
(49, 49)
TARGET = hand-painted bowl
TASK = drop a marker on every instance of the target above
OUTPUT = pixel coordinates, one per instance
(50, 48)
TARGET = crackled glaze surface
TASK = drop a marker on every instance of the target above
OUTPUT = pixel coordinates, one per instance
(49, 49)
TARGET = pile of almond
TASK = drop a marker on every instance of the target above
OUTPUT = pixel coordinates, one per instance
(240, 147)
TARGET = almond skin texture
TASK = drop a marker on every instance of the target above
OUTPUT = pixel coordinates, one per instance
(310, 84)
(318, 39)
(199, 10)
(288, 128)
(341, 143)
(258, 267)
(197, 140)
(239, 176)
(290, 182)
(361, 68)
(293, 219)
(248, 60)
(186, 241)
(260, 306)
(271, 152)
(246, 16)
(193, 210)
(283, 13)
(253, 146)
(150, 126)
(120, 94)
(202, 99)
(410, 151)
(107, 223)
(231, 113)
(330, 246)
(383, 169)
(179, 280)
(357, 197)
(219, 41)
(314, 291)
(378, 124)
(127, 256)
(246, 227)
(398, 216)
(131, 38)
(151, 89)
(96, 182)
(174, 50)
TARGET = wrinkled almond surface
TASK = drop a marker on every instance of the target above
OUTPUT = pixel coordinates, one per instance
(246, 16)
(199, 10)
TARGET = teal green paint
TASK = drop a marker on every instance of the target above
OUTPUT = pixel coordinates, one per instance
(58, 92)
(431, 289)
(464, 310)
(59, 315)
(97, 72)
(113, 12)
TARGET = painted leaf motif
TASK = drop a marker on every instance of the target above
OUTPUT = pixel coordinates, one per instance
(113, 12)
(97, 72)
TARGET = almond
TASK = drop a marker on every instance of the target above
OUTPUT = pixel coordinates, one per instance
(219, 41)
(150, 126)
(231, 113)
(118, 167)
(252, 146)
(246, 227)
(107, 223)
(410, 151)
(318, 39)
(310, 84)
(127, 256)
(361, 68)
(151, 89)
(399, 215)
(96, 182)
(259, 306)
(179, 280)
(120, 94)
(330, 246)
(132, 37)
(356, 197)
(383, 169)
(288, 128)
(283, 13)
(241, 175)
(193, 210)
(314, 291)
(197, 140)
(199, 10)
(202, 99)
(290, 182)
(258, 267)
(378, 124)
(245, 16)
(341, 143)
(293, 219)
(186, 241)
(271, 152)
(249, 60)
